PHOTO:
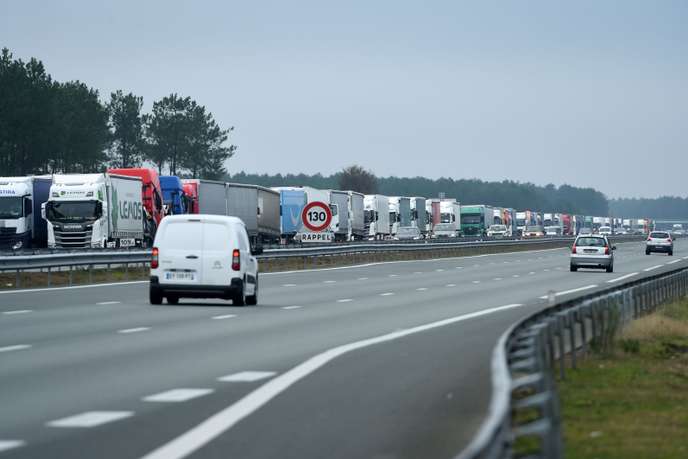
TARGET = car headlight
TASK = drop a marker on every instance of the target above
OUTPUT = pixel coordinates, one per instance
(18, 245)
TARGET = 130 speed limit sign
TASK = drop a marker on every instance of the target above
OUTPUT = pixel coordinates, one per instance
(316, 216)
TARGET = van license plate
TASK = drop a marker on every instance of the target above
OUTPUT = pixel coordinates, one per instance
(180, 276)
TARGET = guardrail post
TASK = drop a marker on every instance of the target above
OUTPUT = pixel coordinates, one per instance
(90, 273)
(17, 280)
(572, 336)
(126, 271)
(49, 276)
(70, 275)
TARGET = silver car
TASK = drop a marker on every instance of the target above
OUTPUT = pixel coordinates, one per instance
(592, 251)
(659, 241)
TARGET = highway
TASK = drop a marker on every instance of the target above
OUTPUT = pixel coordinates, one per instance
(387, 360)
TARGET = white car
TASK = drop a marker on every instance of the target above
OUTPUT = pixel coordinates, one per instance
(605, 230)
(497, 231)
(203, 256)
(659, 241)
(592, 251)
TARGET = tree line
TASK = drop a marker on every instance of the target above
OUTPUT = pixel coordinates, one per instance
(50, 127)
(665, 207)
(520, 196)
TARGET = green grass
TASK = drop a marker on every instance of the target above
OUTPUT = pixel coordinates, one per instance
(632, 402)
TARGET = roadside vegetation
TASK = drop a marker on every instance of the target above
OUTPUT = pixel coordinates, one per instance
(631, 400)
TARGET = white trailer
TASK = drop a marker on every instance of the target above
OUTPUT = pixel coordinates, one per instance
(376, 216)
(450, 219)
(356, 216)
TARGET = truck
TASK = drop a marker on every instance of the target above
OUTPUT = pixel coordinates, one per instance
(191, 195)
(173, 196)
(553, 224)
(524, 220)
(476, 219)
(256, 206)
(21, 222)
(292, 202)
(399, 213)
(450, 219)
(356, 216)
(151, 192)
(376, 216)
(420, 217)
(339, 200)
(96, 211)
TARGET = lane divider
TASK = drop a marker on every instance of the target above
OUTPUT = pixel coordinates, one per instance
(127, 331)
(622, 278)
(177, 395)
(573, 290)
(6, 445)
(652, 268)
(17, 311)
(16, 347)
(90, 419)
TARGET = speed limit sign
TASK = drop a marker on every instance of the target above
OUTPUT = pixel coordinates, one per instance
(316, 216)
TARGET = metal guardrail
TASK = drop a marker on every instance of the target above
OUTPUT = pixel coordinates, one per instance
(533, 351)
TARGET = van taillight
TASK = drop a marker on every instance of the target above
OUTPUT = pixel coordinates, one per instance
(236, 260)
(573, 249)
(155, 257)
(606, 250)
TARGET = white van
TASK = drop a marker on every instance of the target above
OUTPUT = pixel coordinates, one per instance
(203, 256)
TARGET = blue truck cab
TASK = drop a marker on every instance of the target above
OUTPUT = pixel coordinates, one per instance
(173, 194)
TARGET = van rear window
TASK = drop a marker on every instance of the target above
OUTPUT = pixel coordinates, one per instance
(591, 242)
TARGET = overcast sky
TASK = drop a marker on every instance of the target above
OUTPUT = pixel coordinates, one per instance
(590, 93)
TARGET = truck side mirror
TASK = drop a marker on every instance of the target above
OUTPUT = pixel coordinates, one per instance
(28, 208)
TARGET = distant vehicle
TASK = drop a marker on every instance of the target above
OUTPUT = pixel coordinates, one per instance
(191, 195)
(534, 231)
(376, 216)
(173, 194)
(584, 231)
(420, 217)
(605, 230)
(356, 216)
(553, 230)
(293, 199)
(677, 229)
(450, 219)
(659, 241)
(592, 251)
(475, 219)
(406, 233)
(203, 256)
(497, 231)
(151, 192)
(399, 213)
(97, 211)
(21, 223)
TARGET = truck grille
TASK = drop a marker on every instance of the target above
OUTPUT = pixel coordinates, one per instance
(73, 239)
(8, 235)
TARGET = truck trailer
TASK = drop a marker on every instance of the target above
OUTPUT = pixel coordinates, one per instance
(95, 211)
(356, 216)
(376, 216)
(21, 223)
(420, 218)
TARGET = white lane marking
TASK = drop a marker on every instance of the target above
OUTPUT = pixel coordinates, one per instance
(288, 285)
(515, 275)
(223, 316)
(394, 275)
(212, 427)
(345, 300)
(133, 330)
(611, 281)
(289, 308)
(102, 303)
(451, 285)
(652, 268)
(439, 270)
(531, 273)
(387, 294)
(685, 258)
(421, 289)
(558, 268)
(546, 270)
(418, 272)
(16, 347)
(330, 282)
(675, 261)
(6, 445)
(177, 395)
(50, 289)
(476, 282)
(17, 311)
(362, 278)
(91, 419)
(459, 267)
(497, 278)
(573, 290)
(507, 262)
(247, 376)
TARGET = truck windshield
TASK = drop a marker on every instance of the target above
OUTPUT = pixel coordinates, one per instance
(369, 216)
(446, 218)
(471, 219)
(11, 207)
(72, 211)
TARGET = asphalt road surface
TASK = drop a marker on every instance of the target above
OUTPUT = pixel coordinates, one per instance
(387, 360)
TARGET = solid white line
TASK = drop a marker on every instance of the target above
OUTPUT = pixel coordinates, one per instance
(685, 258)
(247, 376)
(90, 419)
(16, 347)
(17, 311)
(6, 445)
(573, 290)
(611, 281)
(197, 437)
(224, 316)
(345, 300)
(421, 289)
(108, 302)
(675, 261)
(177, 395)
(133, 330)
(652, 268)
(289, 308)
(387, 294)
(50, 289)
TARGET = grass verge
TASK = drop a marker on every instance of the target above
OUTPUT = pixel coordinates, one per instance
(632, 402)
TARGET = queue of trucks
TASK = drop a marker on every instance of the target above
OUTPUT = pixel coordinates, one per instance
(124, 207)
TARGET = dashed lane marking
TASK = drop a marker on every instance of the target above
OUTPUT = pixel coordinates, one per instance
(6, 445)
(288, 285)
(91, 419)
(15, 347)
(177, 395)
(387, 294)
(652, 268)
(362, 278)
(421, 289)
(289, 308)
(224, 316)
(103, 303)
(451, 285)
(345, 300)
(573, 290)
(247, 376)
(611, 281)
(17, 311)
(127, 331)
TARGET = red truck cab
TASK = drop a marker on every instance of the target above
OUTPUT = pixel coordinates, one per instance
(151, 191)
(191, 195)
(568, 225)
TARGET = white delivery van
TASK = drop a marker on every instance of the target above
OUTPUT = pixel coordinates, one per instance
(203, 256)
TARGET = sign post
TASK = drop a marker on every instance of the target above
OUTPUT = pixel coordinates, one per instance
(316, 218)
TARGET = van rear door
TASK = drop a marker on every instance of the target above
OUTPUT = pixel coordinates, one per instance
(181, 252)
(218, 244)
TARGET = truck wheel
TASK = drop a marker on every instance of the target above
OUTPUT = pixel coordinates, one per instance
(253, 299)
(154, 296)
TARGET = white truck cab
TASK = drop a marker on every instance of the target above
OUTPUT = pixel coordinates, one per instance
(203, 256)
